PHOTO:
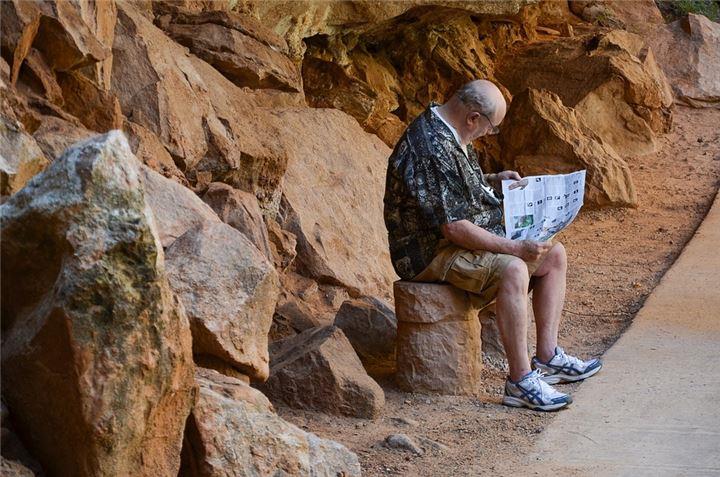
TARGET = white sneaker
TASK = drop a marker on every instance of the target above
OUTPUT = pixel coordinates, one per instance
(532, 392)
(563, 368)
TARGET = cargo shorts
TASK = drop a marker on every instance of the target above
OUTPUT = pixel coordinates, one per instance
(475, 271)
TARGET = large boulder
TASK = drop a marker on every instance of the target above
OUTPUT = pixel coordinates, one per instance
(543, 136)
(150, 151)
(20, 156)
(240, 210)
(238, 46)
(54, 135)
(610, 79)
(638, 16)
(371, 327)
(176, 208)
(438, 339)
(318, 369)
(214, 130)
(68, 35)
(335, 189)
(232, 431)
(296, 21)
(96, 356)
(385, 76)
(688, 50)
(229, 290)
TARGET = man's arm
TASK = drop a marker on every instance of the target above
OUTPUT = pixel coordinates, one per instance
(465, 234)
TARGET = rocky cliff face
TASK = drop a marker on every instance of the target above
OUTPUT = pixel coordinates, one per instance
(185, 182)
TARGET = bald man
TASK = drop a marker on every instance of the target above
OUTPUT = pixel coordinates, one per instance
(444, 222)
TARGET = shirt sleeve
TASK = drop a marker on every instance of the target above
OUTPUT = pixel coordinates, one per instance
(439, 192)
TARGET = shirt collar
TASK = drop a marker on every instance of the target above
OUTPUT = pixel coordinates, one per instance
(440, 127)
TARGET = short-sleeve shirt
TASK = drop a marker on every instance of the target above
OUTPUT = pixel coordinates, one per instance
(430, 181)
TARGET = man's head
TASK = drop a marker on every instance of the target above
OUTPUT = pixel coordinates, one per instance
(476, 109)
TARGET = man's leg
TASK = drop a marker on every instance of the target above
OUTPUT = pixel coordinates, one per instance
(511, 309)
(549, 299)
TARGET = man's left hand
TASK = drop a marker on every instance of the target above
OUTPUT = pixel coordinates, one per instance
(495, 180)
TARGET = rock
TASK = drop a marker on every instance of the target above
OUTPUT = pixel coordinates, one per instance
(238, 46)
(20, 24)
(405, 421)
(96, 357)
(545, 137)
(229, 291)
(240, 210)
(54, 135)
(492, 346)
(371, 328)
(297, 21)
(59, 30)
(339, 224)
(37, 77)
(296, 313)
(318, 369)
(11, 468)
(611, 80)
(20, 156)
(4, 74)
(97, 109)
(282, 244)
(304, 304)
(403, 442)
(387, 89)
(233, 432)
(214, 130)
(431, 444)
(438, 344)
(638, 16)
(176, 208)
(150, 151)
(688, 51)
(250, 26)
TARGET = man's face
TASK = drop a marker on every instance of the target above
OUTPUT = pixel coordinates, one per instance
(479, 125)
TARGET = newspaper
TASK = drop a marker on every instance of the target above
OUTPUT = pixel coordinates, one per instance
(538, 207)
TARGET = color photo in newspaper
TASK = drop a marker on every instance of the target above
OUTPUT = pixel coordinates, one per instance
(538, 207)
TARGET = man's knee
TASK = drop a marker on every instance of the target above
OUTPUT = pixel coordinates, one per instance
(515, 277)
(557, 256)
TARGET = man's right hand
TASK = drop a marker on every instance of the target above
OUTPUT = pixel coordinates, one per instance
(531, 250)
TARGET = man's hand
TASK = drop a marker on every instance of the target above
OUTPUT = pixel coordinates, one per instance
(495, 180)
(531, 250)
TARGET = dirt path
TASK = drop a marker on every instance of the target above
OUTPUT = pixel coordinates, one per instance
(616, 258)
(653, 409)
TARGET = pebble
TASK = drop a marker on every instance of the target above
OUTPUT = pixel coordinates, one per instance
(404, 421)
(403, 442)
(429, 443)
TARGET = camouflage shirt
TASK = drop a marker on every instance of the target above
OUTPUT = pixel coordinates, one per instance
(430, 181)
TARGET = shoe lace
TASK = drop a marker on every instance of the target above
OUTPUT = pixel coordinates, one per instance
(537, 381)
(566, 358)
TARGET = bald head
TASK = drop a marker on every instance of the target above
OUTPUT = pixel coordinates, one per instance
(485, 97)
(475, 110)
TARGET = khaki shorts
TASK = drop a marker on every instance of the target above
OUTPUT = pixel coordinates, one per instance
(475, 271)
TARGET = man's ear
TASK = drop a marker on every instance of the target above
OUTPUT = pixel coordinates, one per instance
(472, 117)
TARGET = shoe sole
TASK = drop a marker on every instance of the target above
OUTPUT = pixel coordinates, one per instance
(517, 402)
(561, 378)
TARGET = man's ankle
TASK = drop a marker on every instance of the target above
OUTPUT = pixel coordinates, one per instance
(516, 376)
(545, 355)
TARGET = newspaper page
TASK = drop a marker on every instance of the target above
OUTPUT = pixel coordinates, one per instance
(538, 207)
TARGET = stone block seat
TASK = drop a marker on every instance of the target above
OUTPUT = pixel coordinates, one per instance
(438, 339)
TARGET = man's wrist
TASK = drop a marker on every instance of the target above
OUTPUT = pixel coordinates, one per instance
(512, 247)
(490, 177)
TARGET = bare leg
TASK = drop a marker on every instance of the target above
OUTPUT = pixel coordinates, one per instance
(511, 310)
(549, 299)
